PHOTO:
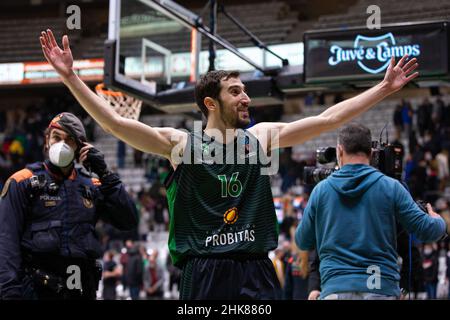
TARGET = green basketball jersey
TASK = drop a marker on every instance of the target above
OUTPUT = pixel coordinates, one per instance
(219, 202)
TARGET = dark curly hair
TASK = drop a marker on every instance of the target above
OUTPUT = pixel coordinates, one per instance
(209, 86)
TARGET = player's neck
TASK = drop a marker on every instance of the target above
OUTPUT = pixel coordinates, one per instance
(213, 127)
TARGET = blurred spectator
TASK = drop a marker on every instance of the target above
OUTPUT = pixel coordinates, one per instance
(121, 154)
(438, 112)
(158, 194)
(289, 217)
(124, 261)
(89, 125)
(407, 114)
(432, 186)
(150, 168)
(443, 169)
(412, 141)
(33, 127)
(398, 120)
(289, 179)
(430, 266)
(320, 98)
(163, 172)
(143, 206)
(296, 281)
(154, 277)
(135, 272)
(111, 275)
(431, 143)
(174, 277)
(309, 99)
(424, 116)
(418, 180)
(159, 211)
(138, 156)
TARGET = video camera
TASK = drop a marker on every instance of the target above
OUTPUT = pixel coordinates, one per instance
(387, 158)
(324, 156)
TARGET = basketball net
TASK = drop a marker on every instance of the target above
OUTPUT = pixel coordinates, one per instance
(126, 106)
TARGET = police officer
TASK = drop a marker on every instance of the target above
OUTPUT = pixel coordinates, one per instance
(48, 212)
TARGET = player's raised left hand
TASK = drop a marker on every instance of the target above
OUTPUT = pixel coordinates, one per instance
(398, 75)
(60, 59)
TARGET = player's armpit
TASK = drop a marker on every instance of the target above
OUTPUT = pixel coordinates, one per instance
(178, 139)
(267, 134)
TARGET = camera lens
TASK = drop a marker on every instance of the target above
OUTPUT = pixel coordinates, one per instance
(313, 175)
(326, 155)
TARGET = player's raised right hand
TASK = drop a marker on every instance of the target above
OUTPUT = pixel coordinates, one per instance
(61, 60)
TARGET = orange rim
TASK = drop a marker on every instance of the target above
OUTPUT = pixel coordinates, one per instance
(101, 88)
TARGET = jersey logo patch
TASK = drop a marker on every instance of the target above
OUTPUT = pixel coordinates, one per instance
(50, 203)
(205, 148)
(230, 216)
(5, 188)
(88, 203)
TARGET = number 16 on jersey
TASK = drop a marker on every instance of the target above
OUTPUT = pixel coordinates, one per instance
(233, 188)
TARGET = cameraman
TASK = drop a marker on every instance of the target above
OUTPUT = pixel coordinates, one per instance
(351, 220)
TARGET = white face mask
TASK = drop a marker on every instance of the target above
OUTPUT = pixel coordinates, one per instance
(60, 154)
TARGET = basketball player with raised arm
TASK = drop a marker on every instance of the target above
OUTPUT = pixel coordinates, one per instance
(222, 217)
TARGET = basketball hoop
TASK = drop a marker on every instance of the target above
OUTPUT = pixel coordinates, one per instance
(126, 106)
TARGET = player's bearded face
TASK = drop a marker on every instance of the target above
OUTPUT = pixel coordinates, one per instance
(233, 104)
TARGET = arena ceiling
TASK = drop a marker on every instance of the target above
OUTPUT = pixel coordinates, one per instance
(308, 9)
